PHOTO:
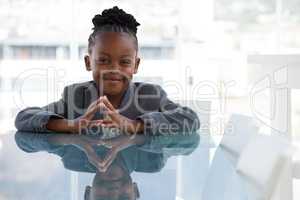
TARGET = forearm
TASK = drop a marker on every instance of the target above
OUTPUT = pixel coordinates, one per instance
(172, 145)
(64, 139)
(32, 142)
(138, 127)
(170, 122)
(62, 125)
(173, 117)
(34, 119)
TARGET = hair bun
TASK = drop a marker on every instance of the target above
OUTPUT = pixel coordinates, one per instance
(115, 16)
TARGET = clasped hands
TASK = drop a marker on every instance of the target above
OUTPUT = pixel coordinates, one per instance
(89, 144)
(114, 119)
(114, 145)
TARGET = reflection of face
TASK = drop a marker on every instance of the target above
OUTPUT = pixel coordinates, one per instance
(115, 183)
(113, 60)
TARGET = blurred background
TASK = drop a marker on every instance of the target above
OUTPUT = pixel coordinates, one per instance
(194, 49)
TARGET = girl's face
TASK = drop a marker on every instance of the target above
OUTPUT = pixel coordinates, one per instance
(113, 61)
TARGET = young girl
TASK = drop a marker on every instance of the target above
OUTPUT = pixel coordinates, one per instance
(111, 99)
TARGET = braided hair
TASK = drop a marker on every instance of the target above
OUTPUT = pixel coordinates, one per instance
(113, 20)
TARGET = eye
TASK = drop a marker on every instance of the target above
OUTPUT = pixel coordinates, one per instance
(102, 61)
(126, 61)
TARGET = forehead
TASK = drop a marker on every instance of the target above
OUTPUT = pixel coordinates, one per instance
(114, 43)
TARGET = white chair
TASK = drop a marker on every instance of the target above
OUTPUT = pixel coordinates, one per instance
(223, 182)
(261, 164)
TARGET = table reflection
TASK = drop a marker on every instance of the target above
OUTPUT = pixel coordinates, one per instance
(111, 160)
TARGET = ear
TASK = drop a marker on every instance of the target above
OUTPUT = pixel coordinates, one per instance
(137, 63)
(87, 193)
(87, 63)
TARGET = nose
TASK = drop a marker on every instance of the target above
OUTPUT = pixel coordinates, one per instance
(115, 65)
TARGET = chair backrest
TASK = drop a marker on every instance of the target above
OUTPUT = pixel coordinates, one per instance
(261, 164)
(223, 182)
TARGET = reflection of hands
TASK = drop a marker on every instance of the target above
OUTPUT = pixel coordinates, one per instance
(115, 145)
(87, 144)
(83, 142)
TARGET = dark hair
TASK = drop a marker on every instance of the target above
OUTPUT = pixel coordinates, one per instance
(113, 20)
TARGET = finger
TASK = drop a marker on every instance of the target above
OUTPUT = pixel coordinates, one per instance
(108, 154)
(101, 105)
(108, 104)
(94, 159)
(107, 121)
(103, 99)
(111, 155)
(94, 103)
(112, 113)
(92, 109)
(106, 110)
(99, 99)
(103, 108)
(97, 122)
(110, 125)
(109, 109)
(102, 122)
(90, 112)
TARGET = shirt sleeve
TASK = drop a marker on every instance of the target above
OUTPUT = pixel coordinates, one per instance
(171, 145)
(154, 153)
(31, 142)
(34, 119)
(170, 118)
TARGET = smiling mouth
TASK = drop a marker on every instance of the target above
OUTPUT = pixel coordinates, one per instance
(113, 79)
